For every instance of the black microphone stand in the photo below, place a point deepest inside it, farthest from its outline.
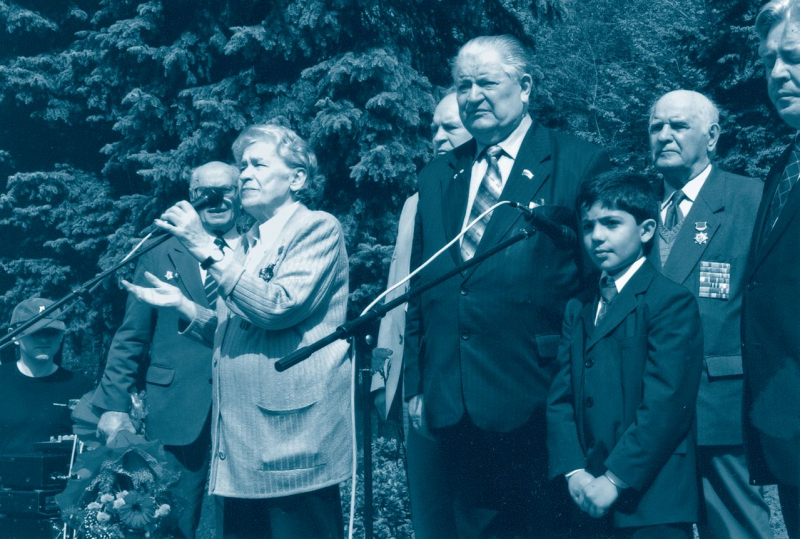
(355, 326)
(210, 199)
(85, 288)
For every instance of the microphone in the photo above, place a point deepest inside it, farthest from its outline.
(209, 197)
(560, 234)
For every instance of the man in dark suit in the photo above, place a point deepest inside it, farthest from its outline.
(703, 236)
(771, 305)
(480, 348)
(148, 353)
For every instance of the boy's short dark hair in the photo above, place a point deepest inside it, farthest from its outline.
(630, 192)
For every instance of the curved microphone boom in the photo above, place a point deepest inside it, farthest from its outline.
(560, 234)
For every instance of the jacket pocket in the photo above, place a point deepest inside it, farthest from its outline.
(291, 437)
(547, 345)
(160, 376)
(720, 366)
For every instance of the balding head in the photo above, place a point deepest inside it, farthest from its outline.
(448, 131)
(219, 177)
(684, 130)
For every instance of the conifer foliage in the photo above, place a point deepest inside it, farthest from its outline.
(106, 105)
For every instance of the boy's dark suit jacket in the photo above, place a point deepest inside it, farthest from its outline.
(726, 206)
(624, 397)
(147, 348)
(771, 341)
(484, 343)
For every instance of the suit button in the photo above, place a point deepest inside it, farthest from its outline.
(210, 380)
(589, 364)
(463, 291)
(589, 402)
(465, 335)
(221, 455)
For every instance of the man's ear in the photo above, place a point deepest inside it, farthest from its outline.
(526, 83)
(648, 229)
(713, 137)
(298, 180)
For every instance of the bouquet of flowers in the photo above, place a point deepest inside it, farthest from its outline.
(120, 490)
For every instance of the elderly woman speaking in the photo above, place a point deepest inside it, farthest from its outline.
(280, 441)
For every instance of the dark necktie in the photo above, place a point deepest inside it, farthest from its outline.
(210, 285)
(787, 181)
(674, 214)
(608, 291)
(488, 195)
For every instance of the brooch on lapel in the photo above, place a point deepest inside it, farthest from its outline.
(171, 276)
(701, 237)
(457, 173)
(528, 174)
(267, 273)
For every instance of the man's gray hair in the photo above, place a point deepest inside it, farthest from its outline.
(773, 13)
(218, 166)
(706, 108)
(517, 59)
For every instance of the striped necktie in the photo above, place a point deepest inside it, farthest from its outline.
(488, 195)
(608, 291)
(210, 285)
(789, 177)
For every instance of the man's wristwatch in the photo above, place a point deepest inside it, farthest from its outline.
(212, 259)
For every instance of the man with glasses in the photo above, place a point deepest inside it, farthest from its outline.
(148, 353)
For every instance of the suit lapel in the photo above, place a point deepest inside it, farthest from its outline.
(786, 215)
(757, 248)
(455, 192)
(189, 270)
(534, 159)
(687, 249)
(623, 304)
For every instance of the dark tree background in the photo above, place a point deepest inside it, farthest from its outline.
(105, 106)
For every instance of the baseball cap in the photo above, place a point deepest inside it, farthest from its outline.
(29, 308)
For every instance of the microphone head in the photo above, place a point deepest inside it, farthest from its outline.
(208, 199)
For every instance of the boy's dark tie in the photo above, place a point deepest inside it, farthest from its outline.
(210, 285)
(488, 195)
(608, 291)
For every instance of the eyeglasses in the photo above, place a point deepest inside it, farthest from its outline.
(226, 192)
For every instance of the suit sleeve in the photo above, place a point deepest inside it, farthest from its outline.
(302, 282)
(412, 354)
(669, 392)
(128, 356)
(564, 450)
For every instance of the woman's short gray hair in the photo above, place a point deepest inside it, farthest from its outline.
(290, 147)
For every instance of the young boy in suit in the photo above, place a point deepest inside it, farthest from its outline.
(621, 407)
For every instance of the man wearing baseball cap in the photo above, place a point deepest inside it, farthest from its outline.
(36, 392)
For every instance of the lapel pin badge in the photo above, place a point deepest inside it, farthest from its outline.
(701, 237)
(170, 275)
(528, 174)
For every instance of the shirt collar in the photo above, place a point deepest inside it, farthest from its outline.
(691, 189)
(512, 142)
(274, 223)
(623, 279)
